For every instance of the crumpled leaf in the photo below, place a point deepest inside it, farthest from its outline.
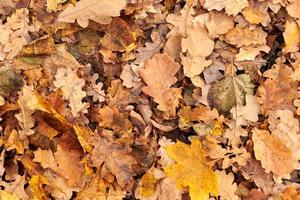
(245, 36)
(232, 7)
(226, 186)
(274, 155)
(116, 158)
(112, 118)
(71, 85)
(230, 91)
(283, 124)
(54, 5)
(257, 13)
(96, 10)
(10, 82)
(46, 158)
(6, 196)
(159, 75)
(191, 170)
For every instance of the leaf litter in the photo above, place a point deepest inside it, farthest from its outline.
(149, 99)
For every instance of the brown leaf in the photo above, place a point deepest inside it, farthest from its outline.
(111, 117)
(159, 75)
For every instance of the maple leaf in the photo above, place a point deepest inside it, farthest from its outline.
(159, 75)
(230, 91)
(99, 11)
(71, 85)
(191, 170)
(232, 7)
(227, 187)
(274, 155)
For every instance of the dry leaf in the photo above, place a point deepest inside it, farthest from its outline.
(198, 46)
(230, 91)
(239, 36)
(113, 119)
(46, 158)
(95, 10)
(232, 7)
(71, 85)
(15, 34)
(159, 75)
(293, 9)
(291, 37)
(274, 155)
(116, 158)
(191, 170)
(227, 187)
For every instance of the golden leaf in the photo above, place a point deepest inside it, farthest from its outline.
(36, 188)
(192, 170)
(291, 37)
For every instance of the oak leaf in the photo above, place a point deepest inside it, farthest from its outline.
(159, 75)
(191, 170)
(71, 85)
(227, 187)
(111, 117)
(245, 36)
(15, 34)
(274, 155)
(99, 11)
(232, 7)
(291, 36)
(198, 45)
(293, 9)
(116, 158)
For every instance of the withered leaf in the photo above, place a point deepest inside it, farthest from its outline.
(230, 91)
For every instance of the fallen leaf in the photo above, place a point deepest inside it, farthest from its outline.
(159, 75)
(230, 91)
(87, 9)
(226, 186)
(232, 7)
(291, 37)
(71, 85)
(274, 155)
(191, 170)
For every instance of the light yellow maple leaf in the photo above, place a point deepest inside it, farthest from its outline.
(192, 170)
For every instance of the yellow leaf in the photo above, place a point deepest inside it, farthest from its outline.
(192, 170)
(36, 188)
(6, 196)
(148, 184)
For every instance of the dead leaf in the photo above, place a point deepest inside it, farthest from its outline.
(191, 170)
(159, 75)
(87, 9)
